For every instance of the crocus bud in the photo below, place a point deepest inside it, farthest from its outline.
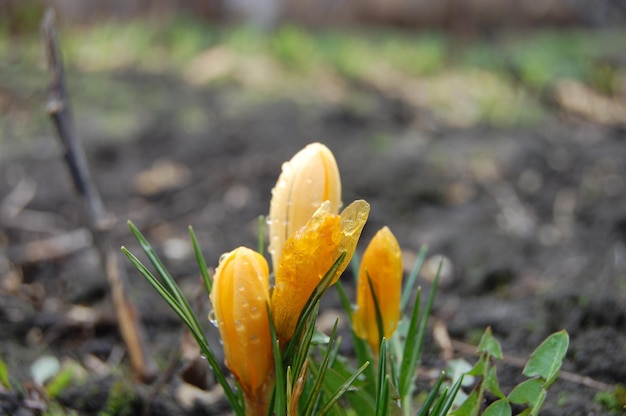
(382, 262)
(306, 257)
(308, 179)
(240, 296)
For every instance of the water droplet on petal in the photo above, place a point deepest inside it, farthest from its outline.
(239, 326)
(212, 318)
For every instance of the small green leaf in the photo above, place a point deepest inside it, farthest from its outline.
(470, 405)
(59, 382)
(547, 359)
(526, 392)
(480, 366)
(491, 383)
(490, 345)
(498, 408)
(4, 375)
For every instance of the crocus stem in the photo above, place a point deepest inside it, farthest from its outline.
(256, 406)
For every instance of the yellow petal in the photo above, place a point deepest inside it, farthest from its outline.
(307, 256)
(308, 179)
(382, 261)
(240, 296)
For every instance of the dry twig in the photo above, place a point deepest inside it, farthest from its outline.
(99, 222)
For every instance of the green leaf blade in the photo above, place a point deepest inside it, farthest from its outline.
(547, 359)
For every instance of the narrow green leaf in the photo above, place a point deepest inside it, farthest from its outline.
(430, 399)
(204, 271)
(161, 290)
(361, 400)
(302, 351)
(451, 396)
(490, 345)
(498, 408)
(415, 340)
(379, 317)
(4, 375)
(194, 328)
(437, 409)
(337, 395)
(167, 280)
(319, 379)
(382, 392)
(409, 359)
(361, 349)
(547, 359)
(280, 388)
(407, 290)
(526, 392)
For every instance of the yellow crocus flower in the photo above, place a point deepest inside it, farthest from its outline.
(306, 257)
(308, 179)
(382, 261)
(240, 296)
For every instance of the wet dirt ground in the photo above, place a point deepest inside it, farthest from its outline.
(531, 221)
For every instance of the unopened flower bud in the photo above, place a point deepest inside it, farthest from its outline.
(308, 179)
(240, 296)
(382, 262)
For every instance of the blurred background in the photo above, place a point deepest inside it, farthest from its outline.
(492, 130)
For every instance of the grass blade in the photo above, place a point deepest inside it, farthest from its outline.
(382, 393)
(407, 290)
(194, 328)
(319, 380)
(204, 271)
(361, 348)
(342, 390)
(280, 388)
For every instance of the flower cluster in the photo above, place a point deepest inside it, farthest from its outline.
(308, 235)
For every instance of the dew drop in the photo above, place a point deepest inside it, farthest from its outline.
(212, 318)
(254, 312)
(241, 288)
(254, 339)
(223, 257)
(239, 326)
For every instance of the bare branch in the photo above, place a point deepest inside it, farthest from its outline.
(99, 222)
